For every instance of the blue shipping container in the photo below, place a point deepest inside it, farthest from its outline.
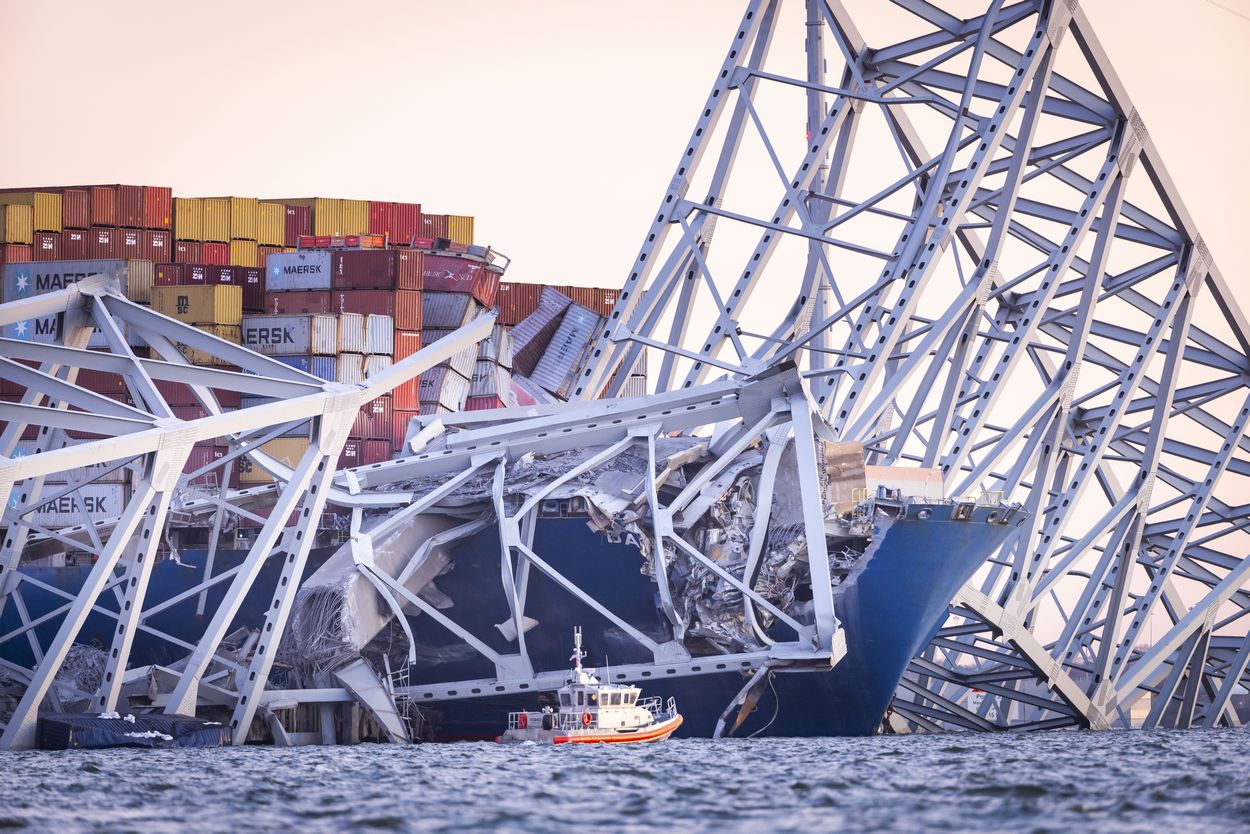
(322, 367)
(24, 280)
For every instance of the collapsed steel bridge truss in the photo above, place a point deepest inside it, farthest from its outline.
(991, 274)
(984, 270)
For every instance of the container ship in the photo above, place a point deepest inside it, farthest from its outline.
(343, 288)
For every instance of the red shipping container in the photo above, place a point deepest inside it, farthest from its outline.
(405, 223)
(174, 393)
(407, 342)
(189, 412)
(102, 382)
(263, 252)
(482, 403)
(74, 245)
(15, 253)
(293, 303)
(216, 253)
(399, 426)
(434, 226)
(352, 454)
(46, 246)
(252, 279)
(306, 242)
(130, 206)
(409, 266)
(188, 252)
(102, 243)
(129, 244)
(202, 456)
(168, 275)
(364, 270)
(375, 451)
(448, 273)
(338, 242)
(373, 422)
(103, 207)
(381, 218)
(158, 207)
(155, 246)
(298, 222)
(75, 209)
(423, 242)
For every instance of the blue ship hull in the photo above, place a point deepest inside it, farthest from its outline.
(887, 612)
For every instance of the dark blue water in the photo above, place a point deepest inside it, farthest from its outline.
(1057, 781)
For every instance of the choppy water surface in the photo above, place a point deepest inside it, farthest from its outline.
(1058, 781)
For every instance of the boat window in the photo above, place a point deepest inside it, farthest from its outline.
(580, 696)
(564, 699)
(616, 699)
(629, 698)
(594, 698)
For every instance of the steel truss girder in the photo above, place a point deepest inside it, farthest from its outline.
(1069, 362)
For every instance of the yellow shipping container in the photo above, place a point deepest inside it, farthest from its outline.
(244, 217)
(212, 304)
(188, 218)
(216, 219)
(328, 217)
(460, 229)
(244, 253)
(271, 227)
(47, 206)
(19, 224)
(286, 450)
(355, 217)
(139, 276)
(230, 333)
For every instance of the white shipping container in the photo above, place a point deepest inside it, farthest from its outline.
(448, 310)
(352, 333)
(316, 335)
(557, 369)
(375, 365)
(444, 387)
(94, 502)
(635, 386)
(351, 368)
(379, 335)
(490, 380)
(497, 347)
(287, 271)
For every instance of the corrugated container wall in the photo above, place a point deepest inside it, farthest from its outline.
(207, 305)
(90, 503)
(157, 207)
(46, 205)
(379, 335)
(298, 271)
(216, 219)
(19, 223)
(291, 335)
(298, 222)
(243, 253)
(322, 367)
(188, 218)
(130, 206)
(352, 333)
(286, 450)
(460, 228)
(271, 224)
(103, 205)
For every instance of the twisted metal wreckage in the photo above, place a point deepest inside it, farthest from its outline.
(1022, 303)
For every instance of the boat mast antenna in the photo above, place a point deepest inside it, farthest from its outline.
(578, 654)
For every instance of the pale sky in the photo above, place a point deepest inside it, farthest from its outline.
(557, 123)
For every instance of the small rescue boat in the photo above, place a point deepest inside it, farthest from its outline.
(593, 712)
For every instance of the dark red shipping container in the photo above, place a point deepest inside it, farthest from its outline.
(373, 422)
(129, 244)
(294, 303)
(399, 426)
(102, 382)
(409, 269)
(103, 207)
(130, 206)
(75, 209)
(188, 252)
(482, 403)
(158, 207)
(202, 456)
(404, 306)
(168, 275)
(14, 253)
(102, 243)
(74, 245)
(252, 279)
(371, 269)
(375, 451)
(175, 393)
(352, 454)
(447, 273)
(156, 246)
(189, 412)
(381, 218)
(434, 226)
(216, 253)
(298, 222)
(46, 246)
(405, 223)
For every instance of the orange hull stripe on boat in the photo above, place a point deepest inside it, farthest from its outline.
(664, 729)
